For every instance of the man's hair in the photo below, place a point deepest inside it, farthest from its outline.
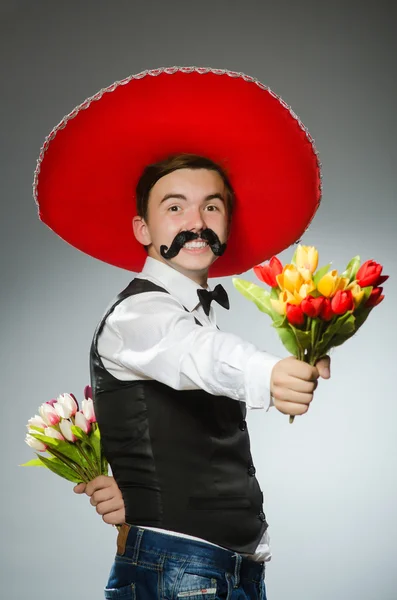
(152, 173)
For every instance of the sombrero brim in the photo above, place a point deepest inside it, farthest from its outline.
(89, 165)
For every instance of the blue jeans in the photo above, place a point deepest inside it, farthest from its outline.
(150, 565)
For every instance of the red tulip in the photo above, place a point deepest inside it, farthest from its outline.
(342, 302)
(295, 314)
(326, 312)
(269, 271)
(375, 297)
(312, 306)
(370, 274)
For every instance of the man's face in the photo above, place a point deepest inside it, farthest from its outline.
(187, 200)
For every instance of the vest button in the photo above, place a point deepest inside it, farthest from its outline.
(251, 470)
(261, 516)
(243, 425)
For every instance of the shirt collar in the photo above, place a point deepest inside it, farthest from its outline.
(180, 286)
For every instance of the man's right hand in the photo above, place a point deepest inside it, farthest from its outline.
(293, 382)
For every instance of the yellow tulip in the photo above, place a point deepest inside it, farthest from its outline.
(357, 292)
(306, 258)
(331, 283)
(284, 298)
(306, 288)
(278, 306)
(290, 279)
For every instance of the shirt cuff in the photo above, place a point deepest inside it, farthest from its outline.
(257, 380)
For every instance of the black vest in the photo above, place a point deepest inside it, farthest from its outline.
(181, 459)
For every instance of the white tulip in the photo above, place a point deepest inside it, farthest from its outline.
(36, 421)
(66, 428)
(48, 414)
(88, 410)
(35, 444)
(53, 433)
(65, 406)
(81, 421)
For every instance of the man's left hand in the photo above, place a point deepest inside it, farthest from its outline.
(105, 495)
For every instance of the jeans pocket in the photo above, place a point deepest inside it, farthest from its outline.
(127, 592)
(195, 587)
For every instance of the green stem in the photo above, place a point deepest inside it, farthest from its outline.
(67, 461)
(92, 468)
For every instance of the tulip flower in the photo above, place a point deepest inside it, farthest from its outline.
(357, 292)
(326, 312)
(342, 302)
(36, 421)
(66, 406)
(66, 428)
(269, 271)
(82, 422)
(280, 304)
(290, 279)
(370, 274)
(88, 410)
(312, 306)
(375, 297)
(53, 433)
(305, 289)
(306, 258)
(87, 392)
(330, 283)
(49, 414)
(295, 314)
(35, 444)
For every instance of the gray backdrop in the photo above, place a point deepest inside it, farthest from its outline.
(330, 478)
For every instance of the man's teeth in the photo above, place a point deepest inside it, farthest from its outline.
(195, 245)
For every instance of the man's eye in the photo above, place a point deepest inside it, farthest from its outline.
(172, 207)
(212, 206)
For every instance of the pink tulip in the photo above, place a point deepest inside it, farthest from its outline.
(88, 410)
(66, 427)
(49, 414)
(53, 433)
(66, 406)
(87, 392)
(82, 422)
(35, 444)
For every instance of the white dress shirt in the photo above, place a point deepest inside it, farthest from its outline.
(151, 336)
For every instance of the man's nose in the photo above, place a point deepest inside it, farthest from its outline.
(195, 221)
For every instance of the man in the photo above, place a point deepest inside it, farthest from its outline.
(171, 390)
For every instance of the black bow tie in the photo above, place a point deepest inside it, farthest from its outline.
(219, 294)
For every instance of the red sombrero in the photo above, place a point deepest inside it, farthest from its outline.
(89, 165)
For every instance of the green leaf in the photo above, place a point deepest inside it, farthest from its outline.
(320, 273)
(95, 440)
(254, 293)
(66, 448)
(35, 462)
(352, 268)
(362, 315)
(336, 333)
(34, 428)
(303, 338)
(59, 468)
(367, 293)
(288, 339)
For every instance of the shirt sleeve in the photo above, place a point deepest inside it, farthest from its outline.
(158, 339)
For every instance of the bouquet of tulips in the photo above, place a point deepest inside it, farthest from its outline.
(314, 311)
(70, 436)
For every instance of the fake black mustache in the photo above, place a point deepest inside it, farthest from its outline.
(187, 236)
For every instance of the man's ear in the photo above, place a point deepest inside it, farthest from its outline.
(141, 231)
